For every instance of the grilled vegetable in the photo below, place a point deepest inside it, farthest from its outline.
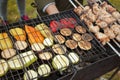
(34, 36)
(8, 53)
(74, 57)
(37, 46)
(48, 42)
(44, 70)
(66, 32)
(44, 30)
(3, 67)
(18, 34)
(80, 29)
(30, 75)
(45, 55)
(22, 60)
(59, 49)
(60, 38)
(5, 41)
(87, 37)
(54, 25)
(20, 45)
(71, 44)
(76, 37)
(60, 62)
(85, 45)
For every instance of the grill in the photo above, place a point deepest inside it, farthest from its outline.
(91, 58)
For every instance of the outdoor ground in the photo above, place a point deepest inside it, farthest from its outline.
(13, 16)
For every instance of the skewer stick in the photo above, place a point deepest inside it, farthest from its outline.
(79, 4)
(116, 43)
(114, 49)
(72, 3)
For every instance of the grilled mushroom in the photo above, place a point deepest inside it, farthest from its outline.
(76, 37)
(71, 44)
(66, 32)
(45, 55)
(85, 45)
(8, 53)
(87, 37)
(80, 29)
(60, 39)
(59, 49)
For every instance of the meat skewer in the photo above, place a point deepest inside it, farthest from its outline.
(106, 36)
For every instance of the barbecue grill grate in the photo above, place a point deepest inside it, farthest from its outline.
(97, 52)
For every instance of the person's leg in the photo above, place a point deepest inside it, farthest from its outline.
(21, 7)
(3, 9)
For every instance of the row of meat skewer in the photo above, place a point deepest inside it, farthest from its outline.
(102, 19)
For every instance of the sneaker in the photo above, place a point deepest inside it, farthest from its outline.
(24, 17)
(5, 22)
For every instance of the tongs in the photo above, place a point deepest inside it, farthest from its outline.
(90, 3)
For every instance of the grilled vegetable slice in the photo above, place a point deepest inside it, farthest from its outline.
(30, 74)
(71, 44)
(80, 29)
(44, 30)
(54, 25)
(73, 57)
(20, 45)
(5, 41)
(48, 42)
(8, 53)
(60, 62)
(44, 70)
(76, 37)
(3, 67)
(18, 34)
(59, 49)
(65, 31)
(34, 36)
(37, 46)
(87, 37)
(60, 38)
(45, 55)
(22, 60)
(85, 45)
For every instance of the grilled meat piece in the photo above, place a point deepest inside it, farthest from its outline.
(116, 29)
(60, 39)
(118, 37)
(119, 21)
(101, 24)
(94, 29)
(78, 10)
(116, 15)
(96, 9)
(102, 37)
(109, 32)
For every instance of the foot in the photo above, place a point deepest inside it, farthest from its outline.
(24, 17)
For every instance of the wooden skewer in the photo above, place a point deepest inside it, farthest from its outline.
(111, 46)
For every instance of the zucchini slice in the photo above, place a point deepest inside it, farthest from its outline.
(44, 70)
(23, 60)
(60, 62)
(20, 45)
(74, 57)
(30, 74)
(3, 67)
(45, 55)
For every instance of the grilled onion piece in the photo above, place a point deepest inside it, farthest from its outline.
(8, 53)
(60, 62)
(85, 45)
(20, 45)
(71, 44)
(60, 39)
(44, 70)
(37, 46)
(74, 57)
(45, 55)
(3, 67)
(59, 49)
(30, 74)
(76, 37)
(48, 42)
(80, 29)
(87, 37)
(66, 32)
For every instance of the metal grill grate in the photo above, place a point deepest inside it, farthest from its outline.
(96, 53)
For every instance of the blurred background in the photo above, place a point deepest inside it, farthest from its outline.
(13, 16)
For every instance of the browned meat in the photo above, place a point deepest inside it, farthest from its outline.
(118, 37)
(109, 32)
(101, 24)
(102, 37)
(96, 9)
(78, 10)
(116, 15)
(94, 29)
(116, 29)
